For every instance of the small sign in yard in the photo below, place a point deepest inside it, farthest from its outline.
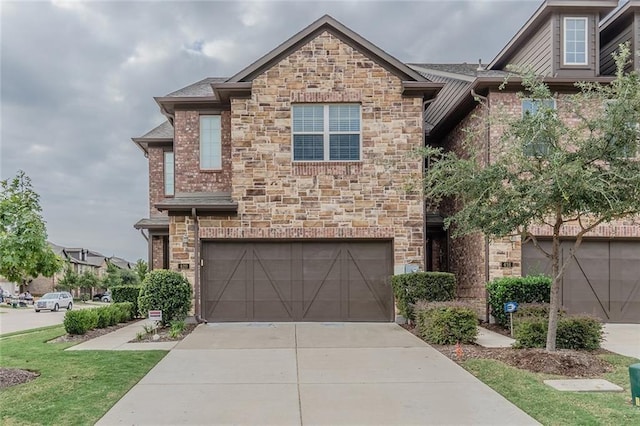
(155, 315)
(510, 308)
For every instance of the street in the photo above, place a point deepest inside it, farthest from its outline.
(19, 319)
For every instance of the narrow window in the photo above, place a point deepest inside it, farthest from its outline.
(168, 173)
(326, 132)
(537, 144)
(210, 142)
(575, 41)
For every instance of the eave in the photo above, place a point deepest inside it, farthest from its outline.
(224, 91)
(482, 85)
(424, 89)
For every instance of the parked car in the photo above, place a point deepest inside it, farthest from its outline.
(55, 301)
(103, 297)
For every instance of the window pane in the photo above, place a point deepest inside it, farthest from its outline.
(308, 148)
(344, 118)
(308, 118)
(210, 142)
(575, 40)
(168, 173)
(344, 147)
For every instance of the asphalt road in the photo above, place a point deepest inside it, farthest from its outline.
(20, 319)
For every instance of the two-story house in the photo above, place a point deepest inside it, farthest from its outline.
(565, 42)
(288, 191)
(282, 191)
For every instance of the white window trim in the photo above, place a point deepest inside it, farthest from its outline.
(326, 139)
(586, 41)
(164, 173)
(200, 142)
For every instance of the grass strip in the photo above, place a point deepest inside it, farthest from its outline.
(74, 387)
(551, 407)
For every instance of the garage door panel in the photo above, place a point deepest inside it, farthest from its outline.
(625, 277)
(603, 280)
(300, 281)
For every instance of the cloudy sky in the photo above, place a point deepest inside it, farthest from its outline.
(78, 79)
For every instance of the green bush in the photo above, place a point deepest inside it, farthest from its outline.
(127, 293)
(125, 311)
(426, 286)
(80, 321)
(75, 323)
(446, 323)
(579, 332)
(104, 316)
(533, 288)
(168, 291)
(574, 332)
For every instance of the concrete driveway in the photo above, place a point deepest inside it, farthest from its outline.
(21, 319)
(309, 373)
(623, 339)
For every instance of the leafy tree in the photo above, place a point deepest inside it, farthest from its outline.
(88, 280)
(24, 252)
(550, 171)
(116, 277)
(69, 280)
(141, 268)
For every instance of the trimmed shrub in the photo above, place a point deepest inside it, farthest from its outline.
(80, 321)
(579, 332)
(533, 288)
(75, 323)
(127, 293)
(426, 286)
(446, 323)
(125, 311)
(168, 291)
(104, 317)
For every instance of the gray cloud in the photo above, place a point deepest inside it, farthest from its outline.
(77, 82)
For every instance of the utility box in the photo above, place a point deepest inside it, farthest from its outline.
(634, 377)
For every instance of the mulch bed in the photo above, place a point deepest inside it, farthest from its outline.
(15, 376)
(163, 335)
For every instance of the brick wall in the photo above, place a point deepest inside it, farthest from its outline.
(156, 179)
(188, 176)
(157, 254)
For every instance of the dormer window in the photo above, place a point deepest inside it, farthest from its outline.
(575, 41)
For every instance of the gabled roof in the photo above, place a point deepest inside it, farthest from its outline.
(162, 134)
(198, 89)
(540, 16)
(327, 23)
(622, 13)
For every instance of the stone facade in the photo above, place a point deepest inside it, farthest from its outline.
(467, 254)
(278, 198)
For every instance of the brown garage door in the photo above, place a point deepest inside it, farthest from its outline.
(297, 281)
(603, 280)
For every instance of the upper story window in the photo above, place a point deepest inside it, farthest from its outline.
(169, 185)
(538, 144)
(575, 41)
(210, 142)
(326, 132)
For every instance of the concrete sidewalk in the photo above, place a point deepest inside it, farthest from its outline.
(309, 373)
(623, 339)
(119, 341)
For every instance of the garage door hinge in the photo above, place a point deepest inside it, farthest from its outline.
(201, 262)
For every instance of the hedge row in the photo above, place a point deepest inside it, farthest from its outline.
(127, 293)
(446, 323)
(81, 321)
(530, 289)
(422, 286)
(574, 331)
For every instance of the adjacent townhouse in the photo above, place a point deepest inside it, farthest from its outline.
(289, 191)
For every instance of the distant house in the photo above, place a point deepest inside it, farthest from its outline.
(81, 260)
(287, 191)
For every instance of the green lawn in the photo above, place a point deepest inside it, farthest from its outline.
(74, 387)
(551, 407)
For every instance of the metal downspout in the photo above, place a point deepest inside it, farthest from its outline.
(196, 255)
(487, 159)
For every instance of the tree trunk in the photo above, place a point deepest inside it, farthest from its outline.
(554, 304)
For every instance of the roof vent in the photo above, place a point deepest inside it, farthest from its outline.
(480, 67)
